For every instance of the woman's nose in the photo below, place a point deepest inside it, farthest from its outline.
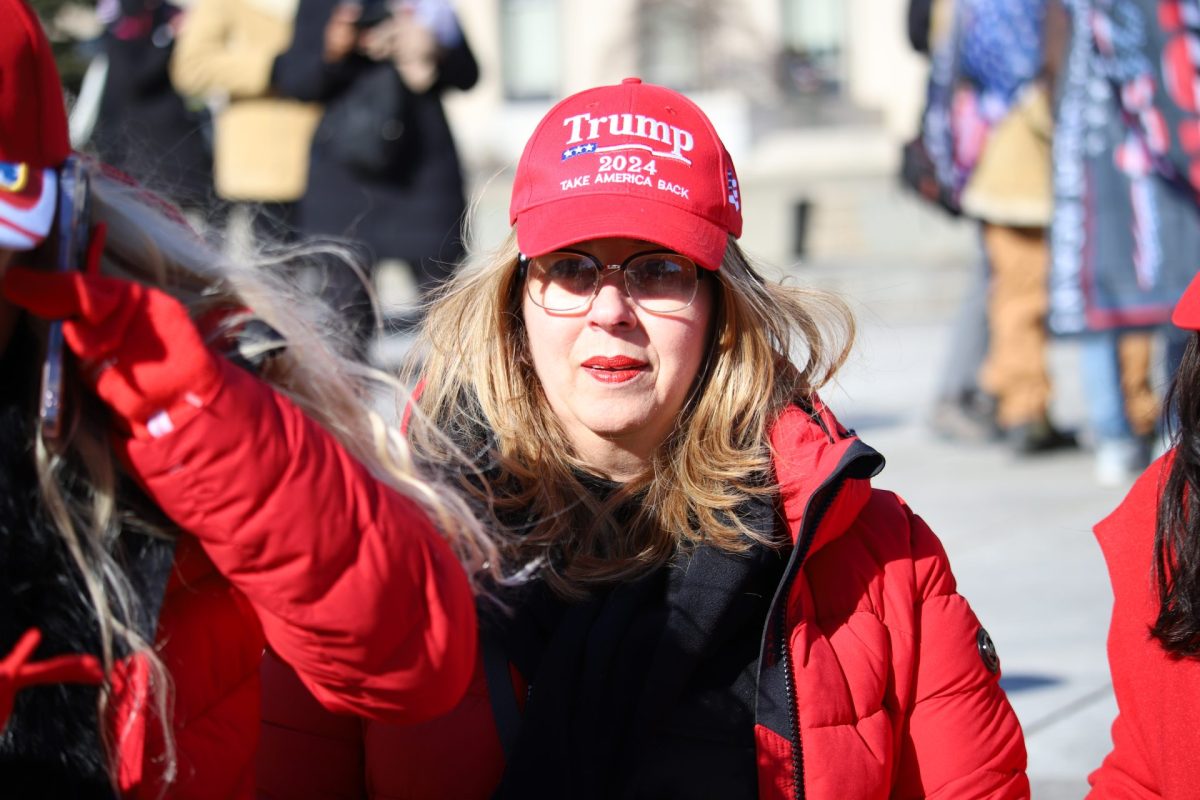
(612, 305)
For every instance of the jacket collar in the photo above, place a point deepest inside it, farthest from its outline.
(810, 448)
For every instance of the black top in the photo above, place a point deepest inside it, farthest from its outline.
(646, 689)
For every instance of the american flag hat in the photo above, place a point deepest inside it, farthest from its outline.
(634, 161)
(33, 128)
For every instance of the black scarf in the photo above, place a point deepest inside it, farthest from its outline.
(647, 688)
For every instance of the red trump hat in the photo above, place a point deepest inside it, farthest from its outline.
(634, 160)
(33, 128)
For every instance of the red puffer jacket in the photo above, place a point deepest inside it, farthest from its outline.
(884, 685)
(1155, 735)
(294, 541)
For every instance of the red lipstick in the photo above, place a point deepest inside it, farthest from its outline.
(613, 369)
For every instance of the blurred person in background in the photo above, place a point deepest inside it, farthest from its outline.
(405, 202)
(1126, 229)
(988, 130)
(143, 127)
(1151, 544)
(705, 595)
(217, 482)
(225, 53)
(963, 411)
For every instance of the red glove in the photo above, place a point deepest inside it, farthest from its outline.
(17, 672)
(138, 346)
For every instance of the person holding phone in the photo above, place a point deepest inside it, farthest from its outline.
(407, 207)
(220, 483)
(705, 595)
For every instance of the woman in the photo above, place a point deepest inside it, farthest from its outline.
(1152, 546)
(706, 598)
(129, 649)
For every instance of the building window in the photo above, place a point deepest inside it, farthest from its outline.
(530, 42)
(670, 34)
(813, 37)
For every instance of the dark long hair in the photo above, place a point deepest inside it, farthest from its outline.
(1177, 532)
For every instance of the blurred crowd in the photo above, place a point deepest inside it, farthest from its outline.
(1067, 129)
(306, 118)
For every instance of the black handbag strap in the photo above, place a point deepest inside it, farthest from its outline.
(500, 691)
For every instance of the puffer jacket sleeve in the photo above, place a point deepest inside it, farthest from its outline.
(354, 586)
(962, 739)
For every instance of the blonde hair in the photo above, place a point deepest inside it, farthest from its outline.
(150, 243)
(482, 396)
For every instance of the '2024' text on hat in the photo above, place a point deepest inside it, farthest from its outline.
(634, 161)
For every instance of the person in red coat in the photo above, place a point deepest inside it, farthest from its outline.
(704, 595)
(1152, 546)
(191, 505)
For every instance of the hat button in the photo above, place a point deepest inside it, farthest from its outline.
(632, 80)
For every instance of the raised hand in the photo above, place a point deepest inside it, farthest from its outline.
(138, 346)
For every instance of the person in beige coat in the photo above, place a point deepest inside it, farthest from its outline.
(226, 52)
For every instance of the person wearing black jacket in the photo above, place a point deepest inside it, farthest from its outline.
(410, 209)
(144, 128)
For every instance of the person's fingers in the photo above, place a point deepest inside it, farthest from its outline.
(50, 295)
(97, 310)
(65, 295)
(23, 649)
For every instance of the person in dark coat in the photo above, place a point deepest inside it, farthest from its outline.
(412, 209)
(144, 128)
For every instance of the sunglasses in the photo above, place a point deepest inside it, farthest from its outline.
(566, 280)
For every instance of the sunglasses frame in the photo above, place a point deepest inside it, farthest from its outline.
(603, 271)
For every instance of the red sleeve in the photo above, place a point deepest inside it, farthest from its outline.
(963, 739)
(1125, 773)
(354, 586)
(1126, 538)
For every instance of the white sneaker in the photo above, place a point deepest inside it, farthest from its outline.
(1118, 462)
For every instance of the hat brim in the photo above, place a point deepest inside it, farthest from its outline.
(571, 220)
(27, 208)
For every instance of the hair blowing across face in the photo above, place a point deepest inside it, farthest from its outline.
(481, 396)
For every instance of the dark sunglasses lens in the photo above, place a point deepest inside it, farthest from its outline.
(662, 282)
(561, 281)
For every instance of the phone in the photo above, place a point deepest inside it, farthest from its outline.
(72, 226)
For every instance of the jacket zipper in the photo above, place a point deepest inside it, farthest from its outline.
(781, 642)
